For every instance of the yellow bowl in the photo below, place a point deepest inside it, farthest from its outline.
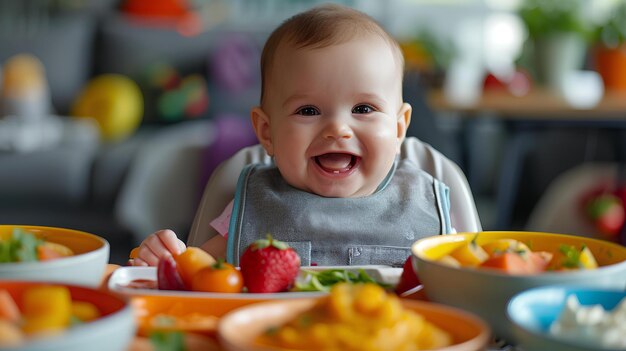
(112, 331)
(85, 267)
(238, 330)
(486, 292)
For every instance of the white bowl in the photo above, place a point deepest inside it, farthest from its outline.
(486, 292)
(85, 267)
(113, 331)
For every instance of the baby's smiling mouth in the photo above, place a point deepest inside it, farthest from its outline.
(336, 163)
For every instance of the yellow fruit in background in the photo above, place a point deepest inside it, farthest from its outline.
(114, 101)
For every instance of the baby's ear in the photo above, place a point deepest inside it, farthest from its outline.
(261, 125)
(403, 121)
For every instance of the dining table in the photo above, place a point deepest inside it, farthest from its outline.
(523, 116)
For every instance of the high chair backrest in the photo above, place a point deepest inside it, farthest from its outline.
(220, 189)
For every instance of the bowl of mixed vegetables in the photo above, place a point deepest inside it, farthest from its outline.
(52, 254)
(480, 272)
(54, 316)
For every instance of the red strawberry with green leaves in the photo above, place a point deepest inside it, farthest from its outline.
(607, 212)
(269, 266)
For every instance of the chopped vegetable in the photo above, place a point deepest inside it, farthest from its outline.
(168, 341)
(323, 280)
(24, 246)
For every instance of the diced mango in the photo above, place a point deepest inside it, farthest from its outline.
(46, 309)
(504, 245)
(85, 311)
(587, 260)
(368, 299)
(449, 261)
(469, 255)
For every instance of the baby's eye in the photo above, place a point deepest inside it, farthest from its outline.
(308, 111)
(363, 109)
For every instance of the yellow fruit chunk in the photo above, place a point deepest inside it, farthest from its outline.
(587, 260)
(504, 245)
(449, 261)
(369, 298)
(469, 255)
(46, 309)
(85, 311)
(191, 261)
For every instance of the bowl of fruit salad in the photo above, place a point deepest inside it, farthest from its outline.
(54, 316)
(52, 254)
(562, 318)
(480, 272)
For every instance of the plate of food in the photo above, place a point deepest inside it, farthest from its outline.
(310, 282)
(269, 269)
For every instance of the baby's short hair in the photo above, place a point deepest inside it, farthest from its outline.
(320, 27)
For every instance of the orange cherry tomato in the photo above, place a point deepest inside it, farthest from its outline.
(219, 277)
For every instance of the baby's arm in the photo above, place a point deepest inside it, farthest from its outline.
(157, 245)
(216, 246)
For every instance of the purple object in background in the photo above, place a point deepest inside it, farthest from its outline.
(234, 65)
(232, 133)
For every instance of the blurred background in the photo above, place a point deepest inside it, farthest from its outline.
(113, 113)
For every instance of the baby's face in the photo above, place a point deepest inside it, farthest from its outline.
(335, 116)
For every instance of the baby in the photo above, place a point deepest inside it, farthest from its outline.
(333, 120)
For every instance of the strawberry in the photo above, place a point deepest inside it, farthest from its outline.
(269, 266)
(607, 212)
(408, 278)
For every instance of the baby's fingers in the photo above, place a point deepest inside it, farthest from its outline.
(171, 242)
(146, 255)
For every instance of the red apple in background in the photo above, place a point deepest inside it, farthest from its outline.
(518, 83)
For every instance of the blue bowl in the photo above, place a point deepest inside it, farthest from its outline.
(533, 311)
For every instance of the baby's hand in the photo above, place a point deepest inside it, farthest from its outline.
(156, 246)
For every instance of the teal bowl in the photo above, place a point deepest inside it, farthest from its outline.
(533, 311)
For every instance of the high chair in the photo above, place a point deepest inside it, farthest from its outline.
(220, 189)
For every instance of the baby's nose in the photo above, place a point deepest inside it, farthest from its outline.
(338, 128)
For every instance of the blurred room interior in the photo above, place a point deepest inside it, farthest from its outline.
(528, 97)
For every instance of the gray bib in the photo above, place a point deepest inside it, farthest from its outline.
(370, 230)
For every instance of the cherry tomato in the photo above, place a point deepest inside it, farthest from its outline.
(218, 277)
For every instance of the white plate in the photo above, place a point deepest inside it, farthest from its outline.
(122, 276)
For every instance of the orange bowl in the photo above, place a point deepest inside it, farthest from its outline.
(112, 331)
(183, 313)
(85, 267)
(238, 330)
